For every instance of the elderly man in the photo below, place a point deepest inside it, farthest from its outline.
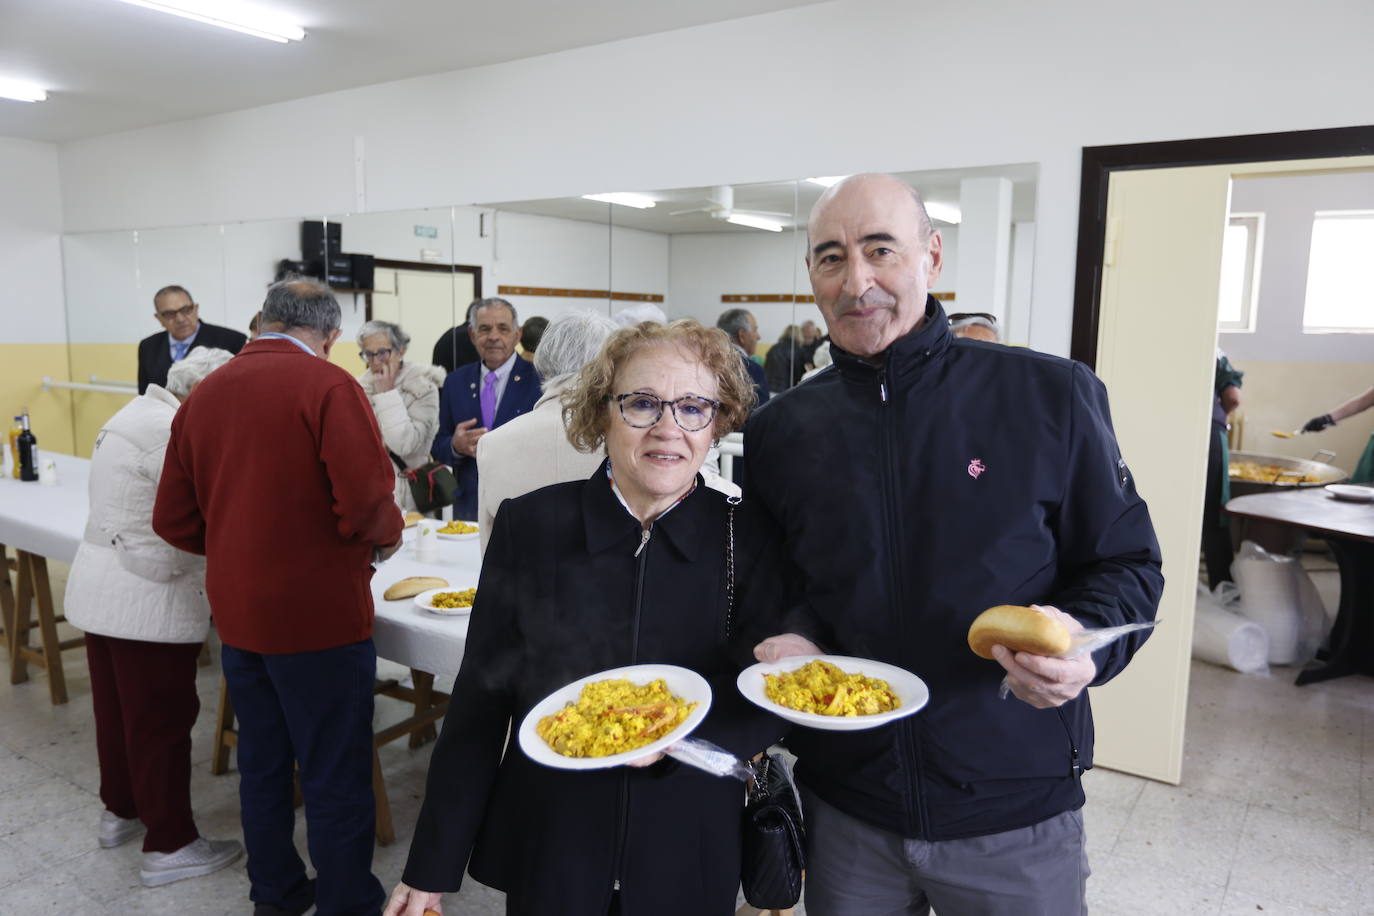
(743, 330)
(533, 450)
(972, 477)
(180, 317)
(482, 395)
(276, 472)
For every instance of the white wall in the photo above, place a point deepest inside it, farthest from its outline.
(780, 98)
(30, 243)
(1288, 204)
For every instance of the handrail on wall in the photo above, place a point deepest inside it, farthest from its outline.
(97, 380)
(50, 383)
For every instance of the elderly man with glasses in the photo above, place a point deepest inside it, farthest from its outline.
(182, 330)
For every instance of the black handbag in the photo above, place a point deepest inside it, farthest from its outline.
(774, 837)
(432, 485)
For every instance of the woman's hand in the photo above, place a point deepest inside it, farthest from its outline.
(776, 648)
(383, 377)
(407, 901)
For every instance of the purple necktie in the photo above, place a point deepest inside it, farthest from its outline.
(489, 400)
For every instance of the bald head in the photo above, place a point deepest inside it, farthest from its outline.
(872, 256)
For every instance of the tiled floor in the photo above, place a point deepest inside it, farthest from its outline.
(1275, 814)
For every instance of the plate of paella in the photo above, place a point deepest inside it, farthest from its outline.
(833, 692)
(613, 717)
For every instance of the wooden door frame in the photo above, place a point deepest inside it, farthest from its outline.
(1099, 162)
(430, 267)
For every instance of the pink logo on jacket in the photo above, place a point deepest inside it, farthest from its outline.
(975, 468)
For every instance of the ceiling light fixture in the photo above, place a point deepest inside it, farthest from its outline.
(624, 199)
(754, 222)
(828, 181)
(945, 213)
(228, 15)
(22, 92)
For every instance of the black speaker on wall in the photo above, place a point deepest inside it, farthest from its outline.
(364, 270)
(320, 239)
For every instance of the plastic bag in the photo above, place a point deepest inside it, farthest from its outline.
(1277, 594)
(1223, 637)
(1090, 640)
(704, 755)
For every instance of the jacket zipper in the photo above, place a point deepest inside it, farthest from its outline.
(641, 554)
(1075, 769)
(912, 753)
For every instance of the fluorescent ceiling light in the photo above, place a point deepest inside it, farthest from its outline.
(945, 213)
(754, 222)
(624, 198)
(21, 92)
(227, 14)
(828, 181)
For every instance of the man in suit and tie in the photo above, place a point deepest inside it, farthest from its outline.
(482, 395)
(180, 317)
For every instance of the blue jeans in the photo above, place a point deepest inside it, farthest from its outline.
(314, 708)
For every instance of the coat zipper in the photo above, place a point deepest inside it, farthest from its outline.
(912, 753)
(642, 555)
(1075, 769)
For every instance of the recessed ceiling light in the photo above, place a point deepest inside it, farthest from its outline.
(228, 14)
(754, 222)
(945, 213)
(828, 181)
(22, 92)
(624, 198)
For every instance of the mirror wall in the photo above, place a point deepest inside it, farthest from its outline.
(696, 252)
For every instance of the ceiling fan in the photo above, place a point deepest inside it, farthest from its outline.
(720, 204)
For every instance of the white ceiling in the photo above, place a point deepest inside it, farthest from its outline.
(789, 197)
(109, 66)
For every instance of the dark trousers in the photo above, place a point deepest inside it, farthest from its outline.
(145, 701)
(314, 708)
(1216, 537)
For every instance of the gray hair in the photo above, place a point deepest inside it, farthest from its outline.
(570, 342)
(488, 303)
(959, 322)
(197, 364)
(733, 321)
(632, 315)
(399, 339)
(302, 303)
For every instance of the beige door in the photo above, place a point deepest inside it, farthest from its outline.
(1156, 350)
(424, 303)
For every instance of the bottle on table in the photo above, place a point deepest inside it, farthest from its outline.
(28, 450)
(15, 430)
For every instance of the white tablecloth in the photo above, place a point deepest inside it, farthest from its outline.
(47, 521)
(50, 521)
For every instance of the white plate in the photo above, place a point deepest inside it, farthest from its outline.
(422, 601)
(682, 682)
(456, 537)
(909, 688)
(1351, 492)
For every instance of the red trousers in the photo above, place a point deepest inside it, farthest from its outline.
(145, 706)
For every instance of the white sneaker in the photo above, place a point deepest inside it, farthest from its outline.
(197, 858)
(116, 830)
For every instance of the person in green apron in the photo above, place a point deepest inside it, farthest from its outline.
(1216, 535)
(1364, 468)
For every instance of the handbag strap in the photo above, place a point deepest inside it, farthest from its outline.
(397, 458)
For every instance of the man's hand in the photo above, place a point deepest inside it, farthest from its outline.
(1044, 681)
(1317, 424)
(775, 648)
(646, 761)
(407, 901)
(386, 553)
(465, 437)
(383, 378)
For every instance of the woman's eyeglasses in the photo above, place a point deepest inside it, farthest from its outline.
(369, 355)
(642, 410)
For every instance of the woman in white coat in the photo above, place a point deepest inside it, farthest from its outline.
(405, 397)
(142, 604)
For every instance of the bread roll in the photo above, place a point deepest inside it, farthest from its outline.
(411, 586)
(1020, 629)
(413, 519)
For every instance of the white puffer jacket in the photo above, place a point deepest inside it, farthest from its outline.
(126, 581)
(409, 418)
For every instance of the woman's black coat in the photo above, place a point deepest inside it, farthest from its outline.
(563, 595)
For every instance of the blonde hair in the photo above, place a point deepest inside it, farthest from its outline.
(587, 404)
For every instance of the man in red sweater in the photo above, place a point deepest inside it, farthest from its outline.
(276, 472)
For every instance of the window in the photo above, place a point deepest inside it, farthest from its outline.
(1240, 260)
(1340, 273)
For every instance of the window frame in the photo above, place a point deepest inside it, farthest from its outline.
(1254, 262)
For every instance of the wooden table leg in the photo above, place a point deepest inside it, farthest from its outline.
(7, 603)
(424, 699)
(47, 627)
(34, 590)
(21, 621)
(386, 830)
(225, 736)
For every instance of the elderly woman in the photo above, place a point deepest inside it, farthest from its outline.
(142, 604)
(405, 397)
(532, 450)
(630, 566)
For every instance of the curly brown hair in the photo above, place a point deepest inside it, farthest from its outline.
(586, 405)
